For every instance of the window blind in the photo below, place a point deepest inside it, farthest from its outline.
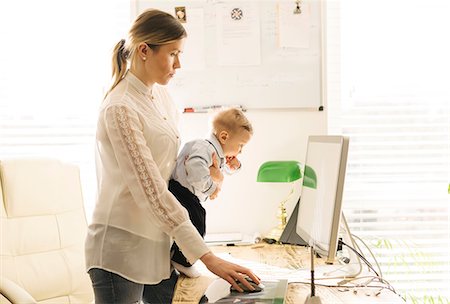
(55, 58)
(385, 91)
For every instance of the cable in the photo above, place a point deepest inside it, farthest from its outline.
(360, 256)
(379, 277)
(355, 245)
(354, 275)
(347, 228)
(355, 285)
(387, 286)
(371, 253)
(372, 278)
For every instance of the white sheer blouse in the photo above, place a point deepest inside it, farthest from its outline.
(135, 215)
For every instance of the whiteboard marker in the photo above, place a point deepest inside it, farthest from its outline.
(209, 108)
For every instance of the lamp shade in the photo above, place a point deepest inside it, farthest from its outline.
(279, 172)
(310, 178)
(286, 172)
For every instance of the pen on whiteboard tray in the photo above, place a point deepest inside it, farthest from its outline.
(209, 108)
(205, 109)
(201, 109)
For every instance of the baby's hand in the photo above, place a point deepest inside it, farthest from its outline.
(233, 163)
(215, 193)
(214, 170)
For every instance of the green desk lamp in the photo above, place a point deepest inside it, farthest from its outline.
(279, 172)
(284, 172)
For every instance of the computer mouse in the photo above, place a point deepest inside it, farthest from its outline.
(258, 287)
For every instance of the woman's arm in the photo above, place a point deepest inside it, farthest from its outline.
(229, 271)
(147, 186)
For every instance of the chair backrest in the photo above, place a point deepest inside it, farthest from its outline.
(43, 227)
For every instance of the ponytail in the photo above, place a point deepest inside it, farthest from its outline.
(119, 64)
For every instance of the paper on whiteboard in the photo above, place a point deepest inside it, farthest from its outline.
(293, 29)
(193, 57)
(238, 34)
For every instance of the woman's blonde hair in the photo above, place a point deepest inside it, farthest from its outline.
(153, 27)
(231, 120)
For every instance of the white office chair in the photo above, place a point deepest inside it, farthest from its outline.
(43, 227)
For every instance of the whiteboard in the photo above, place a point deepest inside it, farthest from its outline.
(284, 77)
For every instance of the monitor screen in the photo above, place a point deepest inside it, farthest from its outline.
(320, 207)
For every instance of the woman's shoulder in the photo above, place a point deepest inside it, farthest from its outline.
(119, 96)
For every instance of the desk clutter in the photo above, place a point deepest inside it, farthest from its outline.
(276, 264)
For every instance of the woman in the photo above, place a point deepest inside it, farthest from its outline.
(129, 238)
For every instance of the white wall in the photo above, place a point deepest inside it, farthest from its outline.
(243, 204)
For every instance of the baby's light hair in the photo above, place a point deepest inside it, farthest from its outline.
(231, 120)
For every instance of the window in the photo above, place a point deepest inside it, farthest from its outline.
(388, 68)
(55, 59)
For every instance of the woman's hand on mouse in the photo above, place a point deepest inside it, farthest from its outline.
(229, 271)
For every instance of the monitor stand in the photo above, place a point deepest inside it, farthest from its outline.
(289, 235)
(312, 298)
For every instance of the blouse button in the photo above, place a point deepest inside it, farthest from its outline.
(165, 118)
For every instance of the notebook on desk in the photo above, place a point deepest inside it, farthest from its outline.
(274, 292)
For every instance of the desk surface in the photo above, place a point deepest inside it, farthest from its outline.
(189, 290)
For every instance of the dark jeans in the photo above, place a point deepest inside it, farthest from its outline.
(110, 288)
(197, 214)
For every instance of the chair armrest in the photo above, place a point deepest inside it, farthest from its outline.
(14, 293)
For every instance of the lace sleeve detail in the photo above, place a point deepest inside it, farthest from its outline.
(140, 171)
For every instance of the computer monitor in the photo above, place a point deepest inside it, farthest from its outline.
(320, 208)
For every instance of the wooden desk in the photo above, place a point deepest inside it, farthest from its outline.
(190, 290)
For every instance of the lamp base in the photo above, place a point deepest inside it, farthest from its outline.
(275, 233)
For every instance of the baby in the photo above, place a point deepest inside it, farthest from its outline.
(192, 182)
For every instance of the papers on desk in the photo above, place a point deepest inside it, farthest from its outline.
(223, 238)
(264, 271)
(230, 239)
(273, 273)
(217, 290)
